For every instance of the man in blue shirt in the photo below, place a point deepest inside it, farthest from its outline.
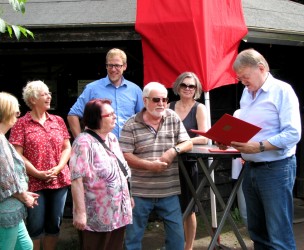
(126, 96)
(270, 162)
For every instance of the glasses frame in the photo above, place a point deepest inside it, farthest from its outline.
(158, 99)
(187, 86)
(46, 93)
(112, 114)
(116, 66)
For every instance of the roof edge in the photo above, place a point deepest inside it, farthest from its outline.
(274, 36)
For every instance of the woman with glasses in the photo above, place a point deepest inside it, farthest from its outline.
(13, 182)
(101, 199)
(43, 141)
(194, 116)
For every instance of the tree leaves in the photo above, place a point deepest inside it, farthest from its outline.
(18, 6)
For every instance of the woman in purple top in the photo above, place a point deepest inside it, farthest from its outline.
(102, 203)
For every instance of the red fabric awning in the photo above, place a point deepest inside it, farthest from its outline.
(190, 35)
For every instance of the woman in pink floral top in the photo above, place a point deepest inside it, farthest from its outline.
(43, 141)
(101, 199)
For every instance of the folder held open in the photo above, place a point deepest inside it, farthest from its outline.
(228, 129)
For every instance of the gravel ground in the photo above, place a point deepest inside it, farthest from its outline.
(154, 237)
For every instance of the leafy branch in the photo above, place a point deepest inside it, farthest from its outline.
(18, 6)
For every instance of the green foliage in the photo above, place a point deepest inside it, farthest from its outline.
(18, 6)
(236, 215)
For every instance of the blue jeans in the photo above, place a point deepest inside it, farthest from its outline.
(269, 199)
(15, 238)
(46, 218)
(168, 209)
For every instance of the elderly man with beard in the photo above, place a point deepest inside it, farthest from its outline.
(151, 141)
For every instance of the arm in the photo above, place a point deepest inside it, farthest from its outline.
(74, 124)
(138, 163)
(171, 153)
(79, 211)
(201, 118)
(30, 168)
(65, 156)
(28, 198)
(252, 147)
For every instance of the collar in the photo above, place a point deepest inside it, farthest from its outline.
(28, 116)
(109, 83)
(267, 84)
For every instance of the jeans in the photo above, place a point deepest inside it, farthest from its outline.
(15, 238)
(269, 199)
(46, 218)
(168, 209)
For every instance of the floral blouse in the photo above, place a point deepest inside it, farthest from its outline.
(42, 146)
(107, 198)
(13, 179)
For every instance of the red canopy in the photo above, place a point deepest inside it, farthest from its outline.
(201, 36)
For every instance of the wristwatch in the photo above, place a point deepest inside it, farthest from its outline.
(262, 146)
(177, 149)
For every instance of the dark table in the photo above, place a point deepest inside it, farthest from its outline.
(201, 153)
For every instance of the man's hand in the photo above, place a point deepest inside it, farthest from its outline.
(159, 166)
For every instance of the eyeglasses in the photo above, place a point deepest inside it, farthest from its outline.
(158, 99)
(46, 93)
(116, 66)
(109, 115)
(185, 86)
(17, 114)
(246, 75)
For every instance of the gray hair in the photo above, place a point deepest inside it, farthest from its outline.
(249, 58)
(152, 86)
(180, 79)
(33, 90)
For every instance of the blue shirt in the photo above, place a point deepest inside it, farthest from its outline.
(275, 109)
(126, 99)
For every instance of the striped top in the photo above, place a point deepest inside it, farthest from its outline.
(146, 143)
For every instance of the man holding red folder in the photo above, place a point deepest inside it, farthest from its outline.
(270, 162)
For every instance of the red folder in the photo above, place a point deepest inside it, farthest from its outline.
(228, 129)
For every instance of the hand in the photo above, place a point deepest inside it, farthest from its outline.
(221, 146)
(132, 202)
(55, 170)
(80, 220)
(47, 176)
(159, 166)
(32, 199)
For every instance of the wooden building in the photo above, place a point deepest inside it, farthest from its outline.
(72, 38)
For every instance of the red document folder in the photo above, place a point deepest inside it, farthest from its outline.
(228, 129)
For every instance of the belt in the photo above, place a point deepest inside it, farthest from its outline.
(264, 163)
(257, 164)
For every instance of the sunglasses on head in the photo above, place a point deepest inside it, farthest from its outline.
(185, 86)
(158, 99)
